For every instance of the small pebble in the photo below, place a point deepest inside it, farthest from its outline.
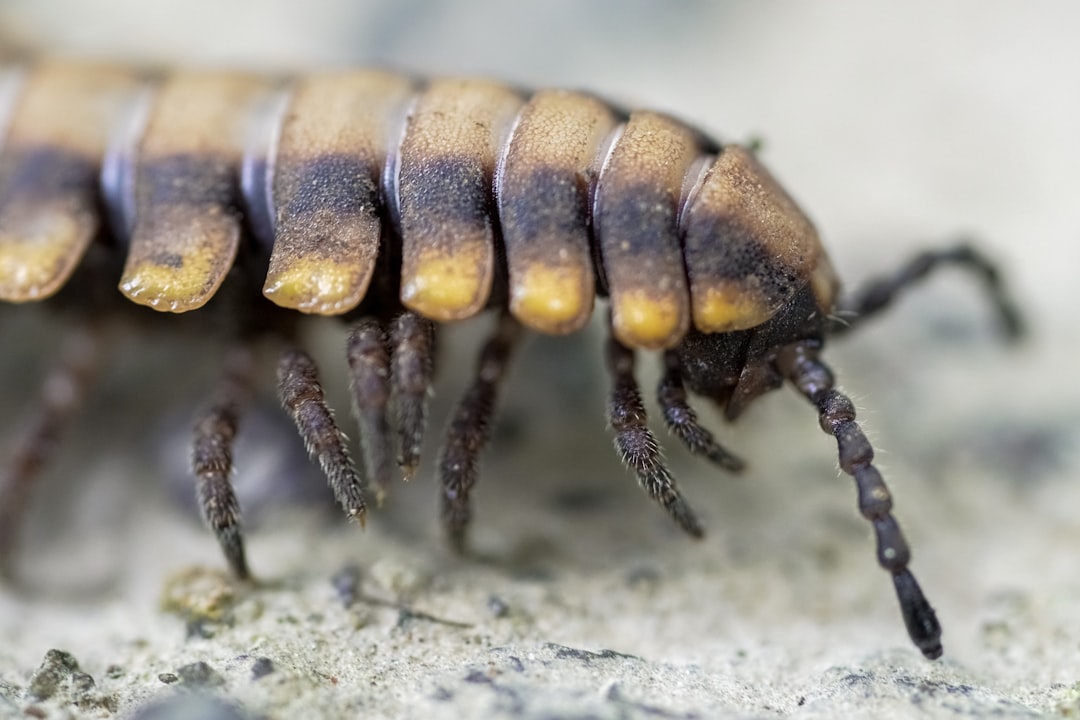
(262, 667)
(57, 667)
(497, 606)
(346, 582)
(199, 674)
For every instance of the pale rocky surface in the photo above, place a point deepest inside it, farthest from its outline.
(895, 127)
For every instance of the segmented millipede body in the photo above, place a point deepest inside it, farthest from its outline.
(400, 204)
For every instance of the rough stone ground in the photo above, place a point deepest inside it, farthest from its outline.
(895, 127)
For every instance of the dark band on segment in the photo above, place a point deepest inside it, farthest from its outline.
(445, 184)
(748, 246)
(187, 195)
(50, 156)
(544, 194)
(331, 152)
(637, 220)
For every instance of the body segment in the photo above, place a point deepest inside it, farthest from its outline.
(545, 190)
(445, 175)
(329, 156)
(187, 162)
(768, 252)
(58, 123)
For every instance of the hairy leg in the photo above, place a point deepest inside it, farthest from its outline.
(470, 429)
(682, 422)
(302, 396)
(212, 460)
(635, 443)
(879, 293)
(369, 370)
(62, 393)
(412, 340)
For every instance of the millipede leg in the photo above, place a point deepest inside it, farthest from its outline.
(62, 394)
(879, 293)
(682, 421)
(212, 461)
(302, 396)
(470, 429)
(800, 364)
(369, 365)
(636, 444)
(413, 343)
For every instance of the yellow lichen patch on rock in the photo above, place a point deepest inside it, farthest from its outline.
(199, 594)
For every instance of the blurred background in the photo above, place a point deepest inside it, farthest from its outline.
(896, 127)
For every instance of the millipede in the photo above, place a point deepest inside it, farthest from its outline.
(244, 203)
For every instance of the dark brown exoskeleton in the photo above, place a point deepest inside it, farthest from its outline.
(397, 205)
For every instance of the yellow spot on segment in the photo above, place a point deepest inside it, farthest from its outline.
(719, 310)
(315, 285)
(179, 256)
(550, 299)
(35, 263)
(172, 289)
(443, 286)
(645, 320)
